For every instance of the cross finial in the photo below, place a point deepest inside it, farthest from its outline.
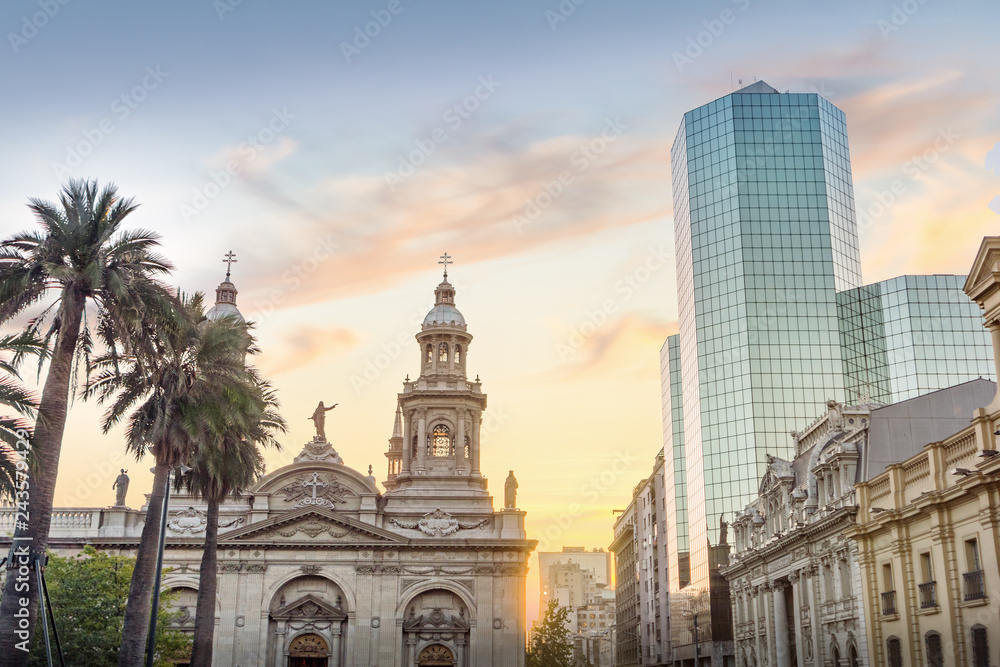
(446, 260)
(228, 259)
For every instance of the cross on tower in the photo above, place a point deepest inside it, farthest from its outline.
(315, 484)
(446, 260)
(228, 259)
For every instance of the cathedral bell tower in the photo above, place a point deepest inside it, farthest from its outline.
(435, 443)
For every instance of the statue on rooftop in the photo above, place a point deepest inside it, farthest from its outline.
(319, 419)
(121, 488)
(510, 492)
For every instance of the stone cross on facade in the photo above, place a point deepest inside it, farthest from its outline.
(315, 483)
(446, 260)
(229, 259)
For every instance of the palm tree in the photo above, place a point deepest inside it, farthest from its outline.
(82, 253)
(166, 393)
(15, 432)
(227, 463)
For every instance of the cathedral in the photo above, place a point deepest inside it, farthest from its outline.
(318, 567)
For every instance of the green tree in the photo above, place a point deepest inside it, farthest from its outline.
(171, 393)
(551, 645)
(82, 254)
(15, 430)
(88, 594)
(227, 462)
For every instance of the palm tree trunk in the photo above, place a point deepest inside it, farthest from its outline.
(140, 592)
(31, 537)
(204, 620)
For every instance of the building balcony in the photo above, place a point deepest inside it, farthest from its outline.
(889, 603)
(928, 595)
(975, 588)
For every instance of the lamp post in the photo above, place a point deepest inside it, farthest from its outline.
(151, 640)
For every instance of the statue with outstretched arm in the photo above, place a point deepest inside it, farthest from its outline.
(319, 419)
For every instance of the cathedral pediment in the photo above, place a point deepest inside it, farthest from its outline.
(310, 525)
(310, 608)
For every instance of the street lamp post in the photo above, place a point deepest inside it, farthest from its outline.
(151, 640)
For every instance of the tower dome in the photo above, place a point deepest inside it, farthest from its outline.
(444, 310)
(225, 295)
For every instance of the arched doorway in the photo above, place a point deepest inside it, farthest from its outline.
(436, 656)
(308, 651)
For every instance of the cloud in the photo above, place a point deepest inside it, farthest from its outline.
(463, 205)
(304, 344)
(626, 346)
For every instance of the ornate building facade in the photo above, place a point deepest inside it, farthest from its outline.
(320, 567)
(796, 578)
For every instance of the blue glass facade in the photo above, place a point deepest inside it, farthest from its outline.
(911, 335)
(765, 235)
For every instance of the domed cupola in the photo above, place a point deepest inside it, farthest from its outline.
(444, 310)
(225, 295)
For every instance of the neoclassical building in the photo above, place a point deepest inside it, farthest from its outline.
(318, 567)
(797, 579)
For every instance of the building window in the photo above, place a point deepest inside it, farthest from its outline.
(458, 354)
(441, 441)
(845, 579)
(895, 650)
(935, 654)
(430, 353)
(975, 588)
(980, 647)
(443, 353)
(836, 657)
(413, 448)
(888, 591)
(854, 657)
(928, 594)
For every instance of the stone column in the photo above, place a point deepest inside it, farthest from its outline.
(250, 632)
(280, 659)
(421, 441)
(474, 444)
(460, 651)
(995, 336)
(796, 583)
(460, 441)
(782, 654)
(756, 593)
(407, 441)
(411, 650)
(335, 646)
(814, 615)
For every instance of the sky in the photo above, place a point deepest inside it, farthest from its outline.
(340, 148)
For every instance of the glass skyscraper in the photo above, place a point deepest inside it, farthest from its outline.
(909, 336)
(774, 320)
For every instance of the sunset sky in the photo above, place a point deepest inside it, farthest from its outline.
(354, 162)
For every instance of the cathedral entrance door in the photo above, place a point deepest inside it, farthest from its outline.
(437, 656)
(308, 651)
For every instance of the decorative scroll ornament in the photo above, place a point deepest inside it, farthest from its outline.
(189, 521)
(318, 451)
(315, 491)
(313, 528)
(439, 524)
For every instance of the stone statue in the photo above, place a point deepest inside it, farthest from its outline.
(121, 487)
(510, 492)
(319, 419)
(723, 530)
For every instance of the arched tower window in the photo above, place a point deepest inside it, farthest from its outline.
(413, 447)
(935, 651)
(458, 354)
(467, 447)
(443, 353)
(430, 353)
(441, 441)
